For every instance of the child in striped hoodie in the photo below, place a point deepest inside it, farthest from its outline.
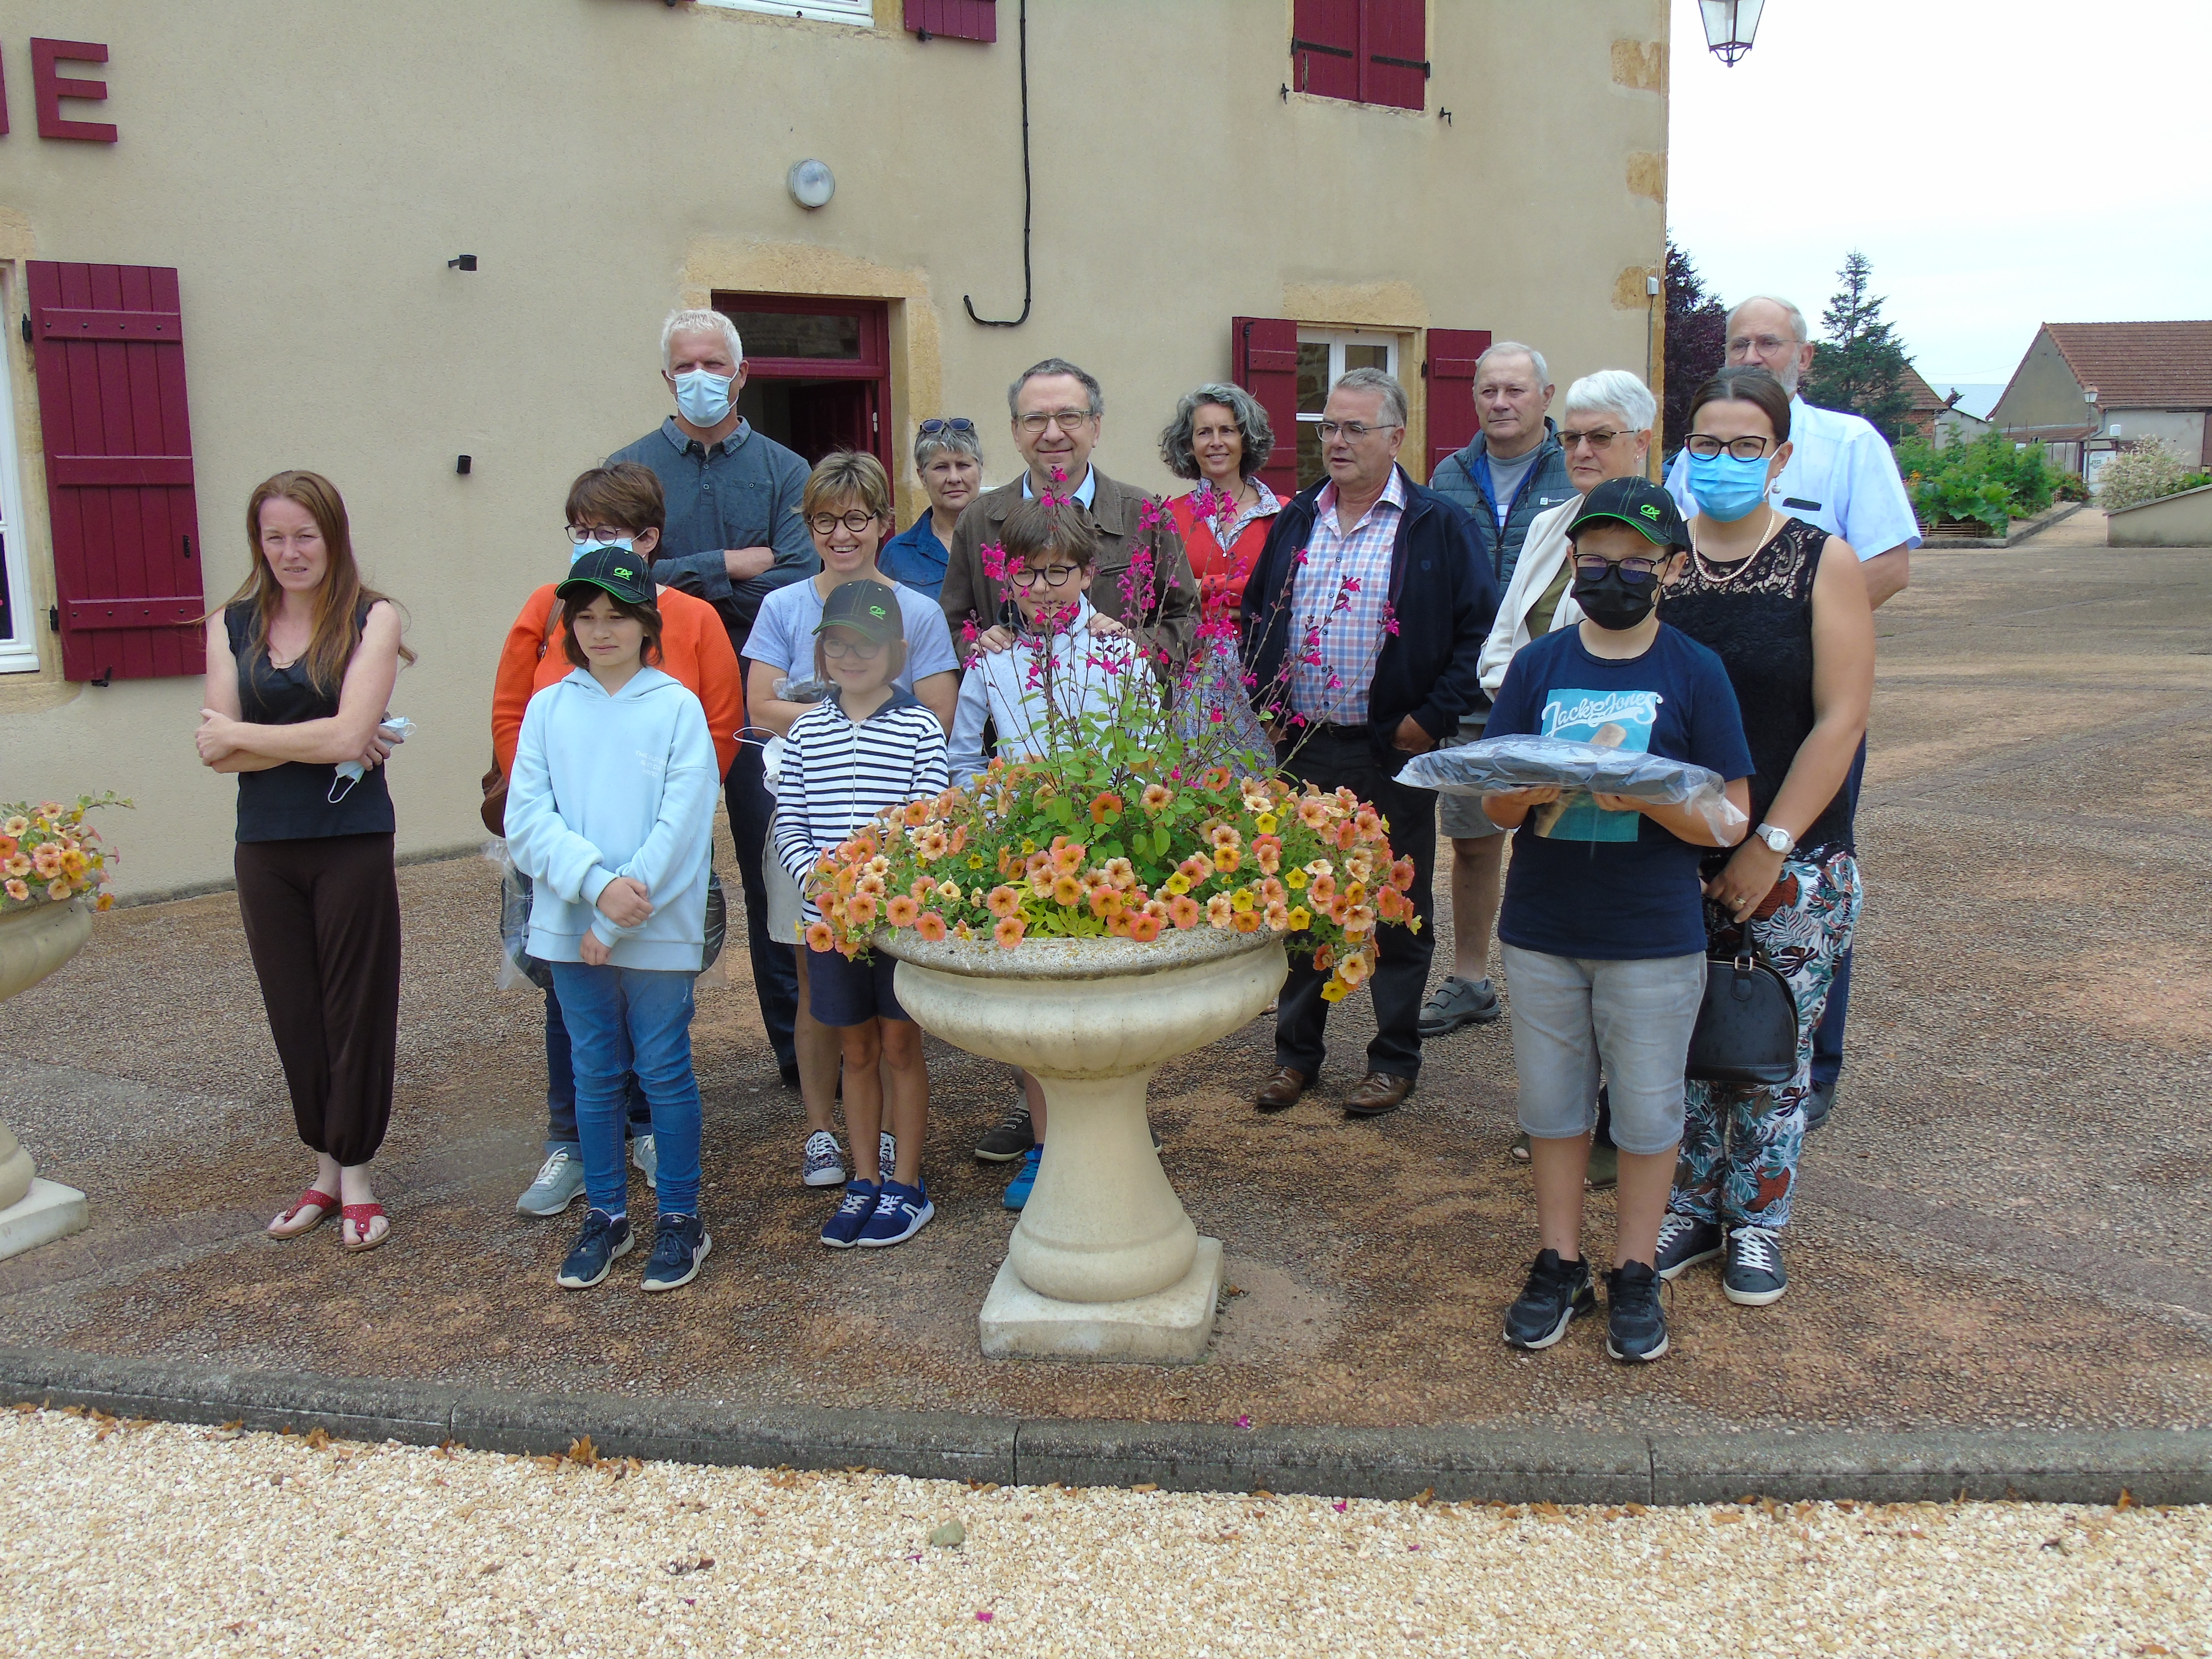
(866, 746)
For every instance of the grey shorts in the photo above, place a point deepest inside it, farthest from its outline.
(1461, 816)
(1573, 1019)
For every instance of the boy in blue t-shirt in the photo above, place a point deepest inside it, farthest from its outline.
(1603, 927)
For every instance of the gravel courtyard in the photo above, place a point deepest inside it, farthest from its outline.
(2005, 1225)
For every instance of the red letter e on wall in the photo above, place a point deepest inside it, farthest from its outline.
(49, 89)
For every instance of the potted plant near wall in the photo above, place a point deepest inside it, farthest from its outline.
(53, 874)
(1128, 890)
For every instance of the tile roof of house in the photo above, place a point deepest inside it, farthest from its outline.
(2140, 365)
(1926, 400)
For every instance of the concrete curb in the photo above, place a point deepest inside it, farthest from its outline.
(1452, 1462)
(2012, 538)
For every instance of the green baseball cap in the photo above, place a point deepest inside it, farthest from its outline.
(866, 607)
(1642, 506)
(627, 576)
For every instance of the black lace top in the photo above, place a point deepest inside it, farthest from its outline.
(293, 802)
(1758, 618)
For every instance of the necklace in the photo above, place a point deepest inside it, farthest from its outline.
(1736, 567)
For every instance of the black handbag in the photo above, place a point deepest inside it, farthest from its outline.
(1747, 1029)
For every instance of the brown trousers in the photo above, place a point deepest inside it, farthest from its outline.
(322, 922)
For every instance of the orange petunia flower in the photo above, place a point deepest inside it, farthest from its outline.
(1106, 807)
(902, 911)
(1246, 921)
(1009, 932)
(1067, 890)
(1219, 914)
(1183, 911)
(1401, 875)
(1157, 797)
(1227, 860)
(819, 938)
(1144, 929)
(930, 926)
(7, 845)
(1003, 901)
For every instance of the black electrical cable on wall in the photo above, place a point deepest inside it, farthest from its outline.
(1022, 25)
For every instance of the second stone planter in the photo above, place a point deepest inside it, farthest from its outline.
(1103, 1263)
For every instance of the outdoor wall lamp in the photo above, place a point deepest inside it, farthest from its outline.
(462, 262)
(1729, 26)
(811, 184)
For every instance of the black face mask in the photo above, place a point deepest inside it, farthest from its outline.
(1616, 600)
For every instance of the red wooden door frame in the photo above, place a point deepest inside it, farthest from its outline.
(873, 364)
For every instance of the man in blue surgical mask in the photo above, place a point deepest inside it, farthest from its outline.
(734, 536)
(1841, 476)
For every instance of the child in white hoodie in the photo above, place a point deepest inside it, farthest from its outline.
(610, 812)
(1056, 671)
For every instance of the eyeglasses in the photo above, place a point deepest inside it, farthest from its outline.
(863, 650)
(824, 524)
(580, 533)
(1591, 565)
(1355, 430)
(1760, 343)
(957, 423)
(1601, 439)
(1067, 420)
(1055, 576)
(1704, 447)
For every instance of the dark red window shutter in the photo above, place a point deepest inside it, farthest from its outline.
(1264, 361)
(1450, 371)
(956, 20)
(1394, 52)
(1325, 48)
(109, 352)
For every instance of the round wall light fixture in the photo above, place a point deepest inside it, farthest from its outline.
(812, 183)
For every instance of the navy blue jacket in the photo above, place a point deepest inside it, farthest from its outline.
(1442, 594)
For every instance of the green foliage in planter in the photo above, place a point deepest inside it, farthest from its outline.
(1988, 480)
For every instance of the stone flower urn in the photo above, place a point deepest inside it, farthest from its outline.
(32, 943)
(1103, 1263)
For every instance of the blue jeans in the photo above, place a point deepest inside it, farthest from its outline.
(561, 1087)
(1828, 1037)
(623, 1021)
(775, 962)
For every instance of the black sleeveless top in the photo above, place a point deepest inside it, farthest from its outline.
(1758, 619)
(292, 802)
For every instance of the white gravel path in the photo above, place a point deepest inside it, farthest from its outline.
(127, 1538)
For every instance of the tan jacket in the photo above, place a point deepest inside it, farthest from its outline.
(1171, 624)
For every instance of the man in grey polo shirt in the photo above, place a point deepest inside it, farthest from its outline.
(1512, 471)
(734, 535)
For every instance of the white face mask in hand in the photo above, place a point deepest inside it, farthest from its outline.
(396, 728)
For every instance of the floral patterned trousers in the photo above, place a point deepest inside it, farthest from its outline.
(1738, 1164)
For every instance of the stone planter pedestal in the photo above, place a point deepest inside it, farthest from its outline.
(1103, 1263)
(32, 943)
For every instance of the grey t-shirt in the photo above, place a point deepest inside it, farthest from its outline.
(1505, 479)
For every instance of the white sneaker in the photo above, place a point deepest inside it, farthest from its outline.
(560, 1183)
(646, 1156)
(824, 1165)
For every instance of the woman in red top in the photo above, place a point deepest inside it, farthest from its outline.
(1221, 437)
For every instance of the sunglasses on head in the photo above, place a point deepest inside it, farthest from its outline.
(930, 428)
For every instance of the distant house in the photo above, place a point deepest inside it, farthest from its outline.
(2087, 389)
(1936, 415)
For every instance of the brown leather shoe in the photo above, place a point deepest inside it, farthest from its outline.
(1280, 1092)
(1378, 1092)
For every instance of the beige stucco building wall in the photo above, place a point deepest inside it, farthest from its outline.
(310, 171)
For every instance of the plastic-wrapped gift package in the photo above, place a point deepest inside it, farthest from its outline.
(1497, 764)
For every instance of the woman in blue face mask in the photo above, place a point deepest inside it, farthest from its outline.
(1784, 606)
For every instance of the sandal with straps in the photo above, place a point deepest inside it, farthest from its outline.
(324, 1203)
(361, 1215)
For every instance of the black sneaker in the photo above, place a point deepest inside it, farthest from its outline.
(679, 1245)
(604, 1238)
(1011, 1138)
(1753, 1276)
(1820, 1101)
(1635, 1323)
(1684, 1241)
(1558, 1293)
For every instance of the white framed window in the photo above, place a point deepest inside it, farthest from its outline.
(862, 12)
(1325, 356)
(19, 617)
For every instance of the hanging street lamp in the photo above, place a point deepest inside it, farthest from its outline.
(1729, 26)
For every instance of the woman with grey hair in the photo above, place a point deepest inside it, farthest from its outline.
(1221, 437)
(948, 458)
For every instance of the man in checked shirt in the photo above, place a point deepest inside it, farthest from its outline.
(1385, 573)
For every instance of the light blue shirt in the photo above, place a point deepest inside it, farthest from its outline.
(1084, 491)
(1841, 475)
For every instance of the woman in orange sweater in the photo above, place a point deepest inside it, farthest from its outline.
(619, 506)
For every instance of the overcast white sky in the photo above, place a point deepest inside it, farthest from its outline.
(2003, 163)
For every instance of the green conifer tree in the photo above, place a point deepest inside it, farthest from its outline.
(1860, 365)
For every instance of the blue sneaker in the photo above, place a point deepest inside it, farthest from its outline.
(900, 1213)
(604, 1238)
(1017, 1189)
(841, 1230)
(679, 1245)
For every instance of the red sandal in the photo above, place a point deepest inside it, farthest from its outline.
(361, 1215)
(324, 1203)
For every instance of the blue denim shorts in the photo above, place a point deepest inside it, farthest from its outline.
(842, 992)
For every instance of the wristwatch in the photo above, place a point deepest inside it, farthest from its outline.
(1780, 840)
